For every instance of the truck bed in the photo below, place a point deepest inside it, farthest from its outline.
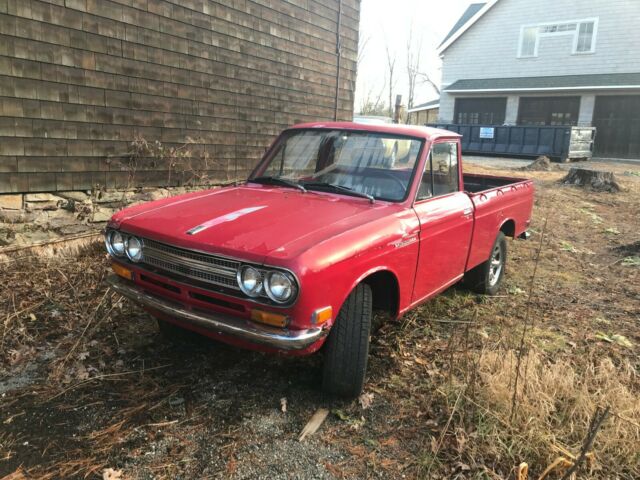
(476, 183)
(500, 203)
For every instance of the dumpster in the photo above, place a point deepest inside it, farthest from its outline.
(560, 143)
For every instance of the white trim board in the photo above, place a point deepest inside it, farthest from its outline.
(546, 89)
(420, 109)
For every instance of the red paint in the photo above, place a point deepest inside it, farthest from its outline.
(332, 241)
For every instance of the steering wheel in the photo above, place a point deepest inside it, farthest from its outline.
(392, 177)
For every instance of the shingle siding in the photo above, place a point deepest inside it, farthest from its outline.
(489, 48)
(79, 79)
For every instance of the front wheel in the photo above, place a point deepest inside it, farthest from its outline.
(347, 348)
(487, 277)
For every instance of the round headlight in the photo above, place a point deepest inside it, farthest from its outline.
(280, 287)
(250, 281)
(115, 243)
(134, 249)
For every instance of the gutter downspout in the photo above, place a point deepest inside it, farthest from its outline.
(339, 54)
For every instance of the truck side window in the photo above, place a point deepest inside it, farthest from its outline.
(440, 172)
(444, 168)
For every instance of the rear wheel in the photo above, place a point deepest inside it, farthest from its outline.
(487, 277)
(347, 348)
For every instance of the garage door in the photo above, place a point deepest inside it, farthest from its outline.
(617, 120)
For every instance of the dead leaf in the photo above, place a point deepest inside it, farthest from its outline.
(283, 404)
(314, 423)
(81, 372)
(111, 474)
(365, 400)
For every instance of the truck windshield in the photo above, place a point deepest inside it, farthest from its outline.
(363, 164)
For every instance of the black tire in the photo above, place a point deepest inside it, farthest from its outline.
(347, 348)
(483, 278)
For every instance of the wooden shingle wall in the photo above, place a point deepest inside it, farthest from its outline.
(80, 79)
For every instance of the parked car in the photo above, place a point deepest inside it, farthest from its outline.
(329, 227)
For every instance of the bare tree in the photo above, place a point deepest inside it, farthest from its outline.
(391, 64)
(414, 52)
(425, 78)
(362, 46)
(372, 102)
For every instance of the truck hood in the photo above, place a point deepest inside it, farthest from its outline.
(250, 221)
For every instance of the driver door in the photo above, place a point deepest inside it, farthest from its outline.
(446, 222)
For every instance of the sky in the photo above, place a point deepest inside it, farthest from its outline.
(388, 22)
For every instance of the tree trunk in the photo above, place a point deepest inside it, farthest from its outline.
(594, 179)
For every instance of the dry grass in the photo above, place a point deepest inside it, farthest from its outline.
(555, 404)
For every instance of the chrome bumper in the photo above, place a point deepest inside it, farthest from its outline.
(215, 322)
(526, 235)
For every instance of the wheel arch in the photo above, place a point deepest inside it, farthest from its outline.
(508, 227)
(385, 289)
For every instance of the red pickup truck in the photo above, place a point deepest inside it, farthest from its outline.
(337, 220)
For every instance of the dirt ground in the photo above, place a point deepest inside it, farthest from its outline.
(465, 387)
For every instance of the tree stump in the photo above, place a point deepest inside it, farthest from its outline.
(594, 179)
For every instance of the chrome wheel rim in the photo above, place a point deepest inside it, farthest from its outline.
(495, 265)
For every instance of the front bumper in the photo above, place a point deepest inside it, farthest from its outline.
(218, 323)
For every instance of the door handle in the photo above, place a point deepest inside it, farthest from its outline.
(467, 212)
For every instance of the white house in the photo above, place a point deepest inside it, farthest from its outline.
(547, 62)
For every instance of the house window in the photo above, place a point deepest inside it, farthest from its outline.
(582, 31)
(584, 40)
(485, 111)
(529, 43)
(548, 111)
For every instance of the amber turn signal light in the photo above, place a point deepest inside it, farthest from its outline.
(122, 271)
(321, 315)
(269, 318)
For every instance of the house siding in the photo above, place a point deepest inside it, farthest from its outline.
(489, 48)
(80, 79)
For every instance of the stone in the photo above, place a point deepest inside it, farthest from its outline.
(158, 194)
(74, 195)
(41, 197)
(61, 218)
(112, 197)
(102, 215)
(11, 202)
(16, 216)
(30, 206)
(74, 229)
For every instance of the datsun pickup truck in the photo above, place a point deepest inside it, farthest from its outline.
(336, 221)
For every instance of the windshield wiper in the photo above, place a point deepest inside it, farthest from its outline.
(269, 180)
(339, 188)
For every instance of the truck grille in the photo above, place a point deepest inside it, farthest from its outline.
(198, 266)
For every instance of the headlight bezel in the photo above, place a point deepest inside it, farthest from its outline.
(258, 289)
(293, 287)
(108, 240)
(134, 258)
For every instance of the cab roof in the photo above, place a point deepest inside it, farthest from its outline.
(426, 133)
